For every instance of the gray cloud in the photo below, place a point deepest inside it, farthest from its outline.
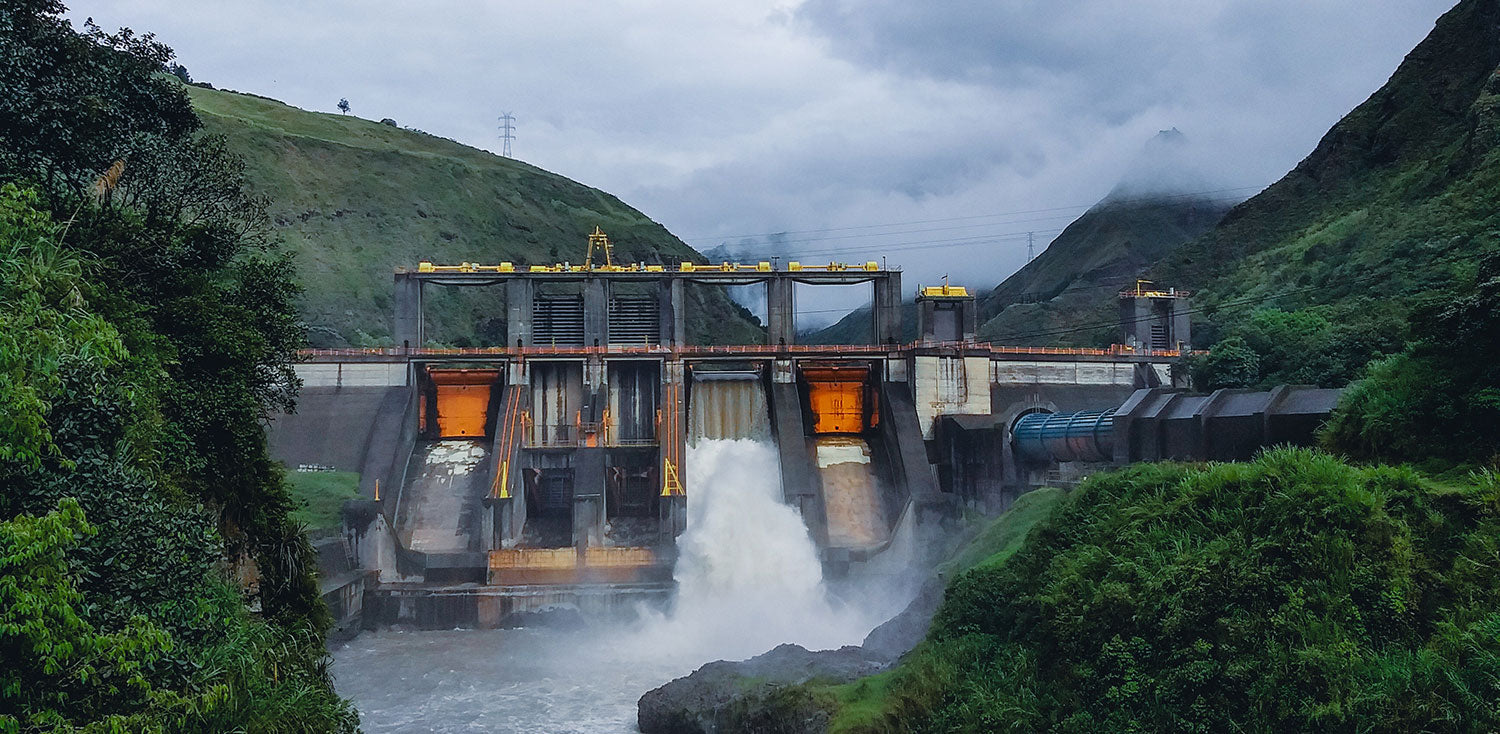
(740, 117)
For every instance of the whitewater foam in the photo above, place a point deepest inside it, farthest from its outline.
(748, 573)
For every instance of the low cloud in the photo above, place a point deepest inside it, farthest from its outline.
(972, 122)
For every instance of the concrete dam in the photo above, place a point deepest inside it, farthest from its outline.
(558, 468)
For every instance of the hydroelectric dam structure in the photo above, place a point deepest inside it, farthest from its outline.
(552, 469)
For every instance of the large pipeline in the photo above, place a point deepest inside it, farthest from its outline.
(1080, 436)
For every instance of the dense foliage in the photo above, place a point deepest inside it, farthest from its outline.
(1269, 347)
(63, 672)
(1440, 398)
(1292, 593)
(146, 328)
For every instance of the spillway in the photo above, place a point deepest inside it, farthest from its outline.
(851, 492)
(444, 481)
(748, 572)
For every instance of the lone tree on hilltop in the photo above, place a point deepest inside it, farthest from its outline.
(181, 72)
(344, 106)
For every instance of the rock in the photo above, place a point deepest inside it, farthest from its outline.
(762, 694)
(899, 634)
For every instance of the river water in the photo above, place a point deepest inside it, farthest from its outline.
(748, 579)
(523, 680)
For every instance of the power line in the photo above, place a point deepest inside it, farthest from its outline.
(922, 244)
(1122, 200)
(1052, 218)
(507, 131)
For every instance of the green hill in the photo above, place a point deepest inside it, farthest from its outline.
(355, 199)
(1145, 217)
(1392, 208)
(1073, 283)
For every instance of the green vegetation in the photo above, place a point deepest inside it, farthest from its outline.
(1292, 593)
(1271, 347)
(319, 495)
(1440, 398)
(63, 673)
(861, 706)
(1002, 537)
(147, 324)
(355, 199)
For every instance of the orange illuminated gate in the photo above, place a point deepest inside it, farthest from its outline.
(463, 400)
(839, 399)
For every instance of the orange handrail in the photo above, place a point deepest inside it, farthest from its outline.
(750, 349)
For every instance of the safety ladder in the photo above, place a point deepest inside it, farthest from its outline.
(500, 488)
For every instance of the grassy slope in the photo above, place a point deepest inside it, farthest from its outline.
(320, 495)
(355, 199)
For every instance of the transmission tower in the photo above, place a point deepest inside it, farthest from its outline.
(507, 132)
(1030, 244)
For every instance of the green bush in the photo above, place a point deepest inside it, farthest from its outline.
(1292, 593)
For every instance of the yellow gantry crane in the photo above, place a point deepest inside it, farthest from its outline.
(600, 240)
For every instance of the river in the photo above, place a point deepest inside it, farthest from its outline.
(522, 680)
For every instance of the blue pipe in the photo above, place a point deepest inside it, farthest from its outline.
(1086, 435)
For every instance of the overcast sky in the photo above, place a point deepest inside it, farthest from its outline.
(957, 126)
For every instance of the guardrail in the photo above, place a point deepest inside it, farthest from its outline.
(749, 349)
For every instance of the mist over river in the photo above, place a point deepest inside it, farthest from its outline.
(748, 579)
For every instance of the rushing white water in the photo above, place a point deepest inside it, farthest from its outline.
(748, 574)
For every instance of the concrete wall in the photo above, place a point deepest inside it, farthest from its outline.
(1066, 373)
(949, 386)
(349, 428)
(352, 374)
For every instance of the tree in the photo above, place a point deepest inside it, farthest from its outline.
(59, 669)
(181, 72)
(344, 106)
(147, 324)
(1231, 363)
